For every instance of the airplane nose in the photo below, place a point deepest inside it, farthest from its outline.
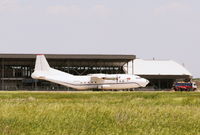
(145, 82)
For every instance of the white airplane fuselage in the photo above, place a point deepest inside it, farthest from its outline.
(92, 81)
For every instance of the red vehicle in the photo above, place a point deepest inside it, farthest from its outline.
(185, 86)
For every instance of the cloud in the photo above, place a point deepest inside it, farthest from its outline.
(101, 10)
(72, 10)
(75, 10)
(8, 5)
(172, 7)
(13, 6)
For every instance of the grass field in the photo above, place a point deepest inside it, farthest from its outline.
(100, 113)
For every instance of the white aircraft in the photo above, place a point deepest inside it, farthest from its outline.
(92, 81)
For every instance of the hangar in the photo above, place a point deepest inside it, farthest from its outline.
(161, 73)
(16, 69)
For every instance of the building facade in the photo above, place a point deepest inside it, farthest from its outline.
(16, 70)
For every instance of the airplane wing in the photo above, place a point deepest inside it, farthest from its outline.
(102, 78)
(109, 78)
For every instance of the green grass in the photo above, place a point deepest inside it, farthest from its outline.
(99, 113)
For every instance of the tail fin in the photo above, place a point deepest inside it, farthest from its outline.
(41, 63)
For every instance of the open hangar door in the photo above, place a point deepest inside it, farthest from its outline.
(161, 82)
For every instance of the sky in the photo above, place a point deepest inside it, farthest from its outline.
(159, 29)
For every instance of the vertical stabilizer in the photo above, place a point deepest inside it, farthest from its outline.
(41, 63)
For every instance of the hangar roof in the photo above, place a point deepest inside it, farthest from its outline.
(70, 59)
(72, 56)
(159, 67)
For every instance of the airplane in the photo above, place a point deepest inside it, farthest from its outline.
(43, 71)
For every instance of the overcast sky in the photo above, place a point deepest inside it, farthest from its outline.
(163, 29)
